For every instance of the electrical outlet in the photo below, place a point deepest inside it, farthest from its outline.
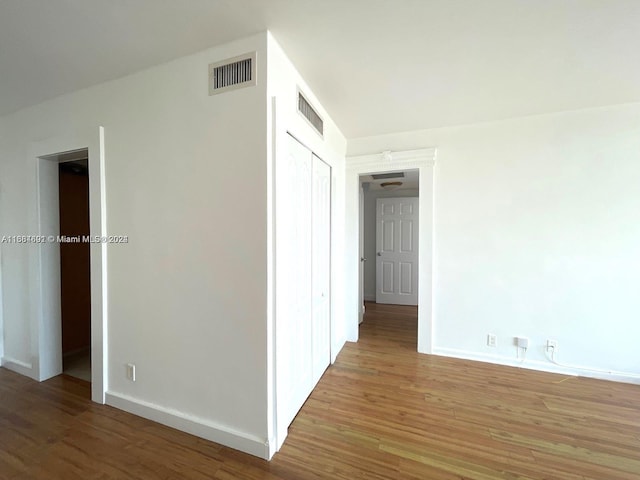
(492, 340)
(522, 342)
(131, 372)
(552, 345)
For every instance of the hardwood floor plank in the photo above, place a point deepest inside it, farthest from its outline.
(381, 412)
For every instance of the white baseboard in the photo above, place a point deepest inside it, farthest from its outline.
(194, 425)
(17, 366)
(549, 367)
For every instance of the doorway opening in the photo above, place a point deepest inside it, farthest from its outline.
(75, 268)
(388, 161)
(389, 244)
(80, 148)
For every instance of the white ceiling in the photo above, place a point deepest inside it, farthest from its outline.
(378, 66)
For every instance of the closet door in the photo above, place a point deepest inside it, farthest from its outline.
(294, 366)
(321, 267)
(303, 271)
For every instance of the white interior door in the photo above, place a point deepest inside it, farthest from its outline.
(321, 267)
(303, 271)
(397, 251)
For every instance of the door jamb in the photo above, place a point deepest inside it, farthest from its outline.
(361, 307)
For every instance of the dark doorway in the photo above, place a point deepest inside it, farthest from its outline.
(75, 272)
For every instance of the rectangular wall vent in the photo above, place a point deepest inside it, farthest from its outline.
(237, 72)
(308, 112)
(385, 176)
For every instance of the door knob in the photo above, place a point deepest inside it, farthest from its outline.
(379, 254)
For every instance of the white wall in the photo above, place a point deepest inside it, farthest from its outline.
(536, 233)
(15, 295)
(188, 294)
(282, 93)
(369, 218)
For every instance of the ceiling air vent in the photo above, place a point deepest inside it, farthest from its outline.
(237, 72)
(308, 112)
(385, 176)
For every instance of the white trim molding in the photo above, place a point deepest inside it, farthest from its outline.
(1, 313)
(197, 426)
(625, 377)
(405, 159)
(422, 160)
(17, 366)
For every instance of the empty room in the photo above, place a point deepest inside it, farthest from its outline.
(304, 239)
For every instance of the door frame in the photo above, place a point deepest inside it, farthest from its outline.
(424, 161)
(1, 314)
(46, 322)
(361, 257)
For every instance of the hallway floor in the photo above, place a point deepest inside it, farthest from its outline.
(78, 365)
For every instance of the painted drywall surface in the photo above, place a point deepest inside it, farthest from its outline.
(187, 294)
(282, 90)
(14, 181)
(537, 227)
(369, 218)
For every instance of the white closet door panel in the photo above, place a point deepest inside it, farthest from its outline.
(294, 366)
(303, 272)
(321, 267)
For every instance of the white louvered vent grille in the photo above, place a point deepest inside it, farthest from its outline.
(232, 73)
(308, 112)
(386, 176)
